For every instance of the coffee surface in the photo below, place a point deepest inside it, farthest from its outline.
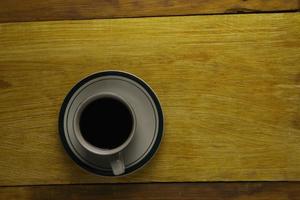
(106, 123)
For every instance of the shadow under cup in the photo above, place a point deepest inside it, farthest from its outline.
(106, 122)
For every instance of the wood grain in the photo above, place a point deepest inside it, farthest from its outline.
(167, 191)
(229, 87)
(36, 10)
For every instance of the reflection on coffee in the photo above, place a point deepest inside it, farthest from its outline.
(106, 123)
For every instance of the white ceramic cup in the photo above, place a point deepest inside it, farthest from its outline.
(115, 155)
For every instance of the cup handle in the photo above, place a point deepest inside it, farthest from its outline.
(117, 164)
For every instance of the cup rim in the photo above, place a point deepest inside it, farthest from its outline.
(88, 146)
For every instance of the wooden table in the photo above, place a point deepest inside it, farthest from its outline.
(229, 86)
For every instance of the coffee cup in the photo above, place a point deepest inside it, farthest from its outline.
(104, 125)
(111, 123)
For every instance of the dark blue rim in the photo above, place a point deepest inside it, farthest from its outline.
(102, 74)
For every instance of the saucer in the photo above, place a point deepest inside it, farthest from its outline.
(149, 120)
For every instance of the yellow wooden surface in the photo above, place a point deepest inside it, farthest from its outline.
(229, 87)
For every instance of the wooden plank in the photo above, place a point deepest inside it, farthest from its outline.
(36, 10)
(182, 191)
(229, 87)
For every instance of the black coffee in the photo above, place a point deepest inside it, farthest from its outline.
(106, 123)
